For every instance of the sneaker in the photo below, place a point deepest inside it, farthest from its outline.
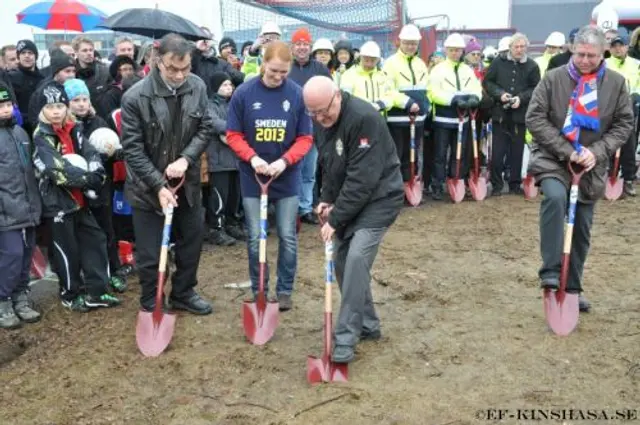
(284, 301)
(343, 354)
(629, 190)
(118, 283)
(77, 304)
(23, 308)
(8, 318)
(370, 336)
(104, 300)
(236, 232)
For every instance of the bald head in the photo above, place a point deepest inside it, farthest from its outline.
(318, 91)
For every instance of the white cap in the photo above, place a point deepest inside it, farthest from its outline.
(555, 39)
(503, 44)
(410, 33)
(455, 40)
(322, 44)
(270, 28)
(370, 49)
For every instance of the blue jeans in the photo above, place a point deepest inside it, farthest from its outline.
(286, 215)
(308, 169)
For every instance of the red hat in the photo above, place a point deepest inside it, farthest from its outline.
(301, 35)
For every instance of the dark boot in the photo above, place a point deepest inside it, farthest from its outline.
(343, 354)
(219, 237)
(237, 232)
(192, 303)
(23, 308)
(284, 302)
(585, 305)
(370, 336)
(309, 218)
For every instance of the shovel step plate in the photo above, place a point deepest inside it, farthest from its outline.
(562, 311)
(260, 323)
(478, 188)
(324, 370)
(456, 190)
(613, 189)
(413, 191)
(153, 339)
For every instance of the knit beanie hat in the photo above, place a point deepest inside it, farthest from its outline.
(75, 87)
(473, 46)
(227, 42)
(114, 68)
(217, 78)
(59, 61)
(53, 93)
(301, 35)
(26, 45)
(5, 95)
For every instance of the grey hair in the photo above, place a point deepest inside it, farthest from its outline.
(121, 40)
(591, 35)
(517, 37)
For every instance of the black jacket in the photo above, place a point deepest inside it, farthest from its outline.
(559, 60)
(518, 78)
(220, 157)
(204, 67)
(20, 204)
(56, 176)
(360, 170)
(97, 79)
(24, 83)
(148, 142)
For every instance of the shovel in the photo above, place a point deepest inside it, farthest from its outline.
(477, 183)
(455, 186)
(260, 317)
(561, 308)
(413, 188)
(614, 186)
(486, 149)
(323, 369)
(154, 330)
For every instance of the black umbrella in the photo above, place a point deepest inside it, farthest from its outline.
(152, 23)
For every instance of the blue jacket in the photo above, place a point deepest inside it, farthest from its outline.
(300, 74)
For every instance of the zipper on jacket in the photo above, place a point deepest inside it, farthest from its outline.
(413, 75)
(455, 71)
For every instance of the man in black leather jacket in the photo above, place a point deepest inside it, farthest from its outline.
(166, 126)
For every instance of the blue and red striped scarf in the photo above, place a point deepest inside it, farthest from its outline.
(582, 112)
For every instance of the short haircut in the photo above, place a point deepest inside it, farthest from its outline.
(176, 45)
(57, 44)
(81, 40)
(5, 49)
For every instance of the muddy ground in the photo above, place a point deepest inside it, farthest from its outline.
(463, 324)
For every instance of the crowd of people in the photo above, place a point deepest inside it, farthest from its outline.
(327, 123)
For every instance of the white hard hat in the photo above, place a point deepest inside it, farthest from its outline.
(410, 33)
(322, 44)
(270, 28)
(607, 19)
(490, 52)
(555, 39)
(455, 40)
(503, 44)
(370, 49)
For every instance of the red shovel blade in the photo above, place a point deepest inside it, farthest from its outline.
(260, 320)
(456, 190)
(529, 187)
(154, 336)
(613, 189)
(324, 370)
(413, 191)
(478, 188)
(562, 311)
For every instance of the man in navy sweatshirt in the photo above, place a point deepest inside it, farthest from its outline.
(302, 69)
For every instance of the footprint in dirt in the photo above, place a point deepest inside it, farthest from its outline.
(11, 350)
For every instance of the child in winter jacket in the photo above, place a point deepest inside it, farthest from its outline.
(81, 108)
(20, 209)
(78, 243)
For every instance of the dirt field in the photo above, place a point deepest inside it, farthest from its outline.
(463, 330)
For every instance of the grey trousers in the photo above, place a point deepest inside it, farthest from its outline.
(353, 260)
(553, 210)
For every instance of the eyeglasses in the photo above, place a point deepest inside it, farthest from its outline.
(324, 111)
(173, 70)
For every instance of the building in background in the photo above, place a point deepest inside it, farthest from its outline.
(539, 18)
